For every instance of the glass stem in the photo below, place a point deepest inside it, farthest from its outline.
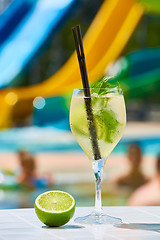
(98, 170)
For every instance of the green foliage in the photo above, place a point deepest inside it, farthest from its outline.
(151, 5)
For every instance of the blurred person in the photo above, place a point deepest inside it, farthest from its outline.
(149, 193)
(28, 176)
(135, 177)
(22, 154)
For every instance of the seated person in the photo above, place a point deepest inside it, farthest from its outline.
(149, 193)
(28, 176)
(134, 178)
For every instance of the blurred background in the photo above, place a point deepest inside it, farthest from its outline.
(38, 72)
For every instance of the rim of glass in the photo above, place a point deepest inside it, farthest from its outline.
(115, 90)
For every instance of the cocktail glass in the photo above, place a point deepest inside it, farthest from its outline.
(98, 123)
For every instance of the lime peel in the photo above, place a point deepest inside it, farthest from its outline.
(46, 203)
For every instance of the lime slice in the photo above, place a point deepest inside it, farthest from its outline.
(54, 208)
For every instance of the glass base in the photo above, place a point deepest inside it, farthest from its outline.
(95, 218)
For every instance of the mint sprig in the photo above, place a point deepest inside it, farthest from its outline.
(103, 84)
(106, 119)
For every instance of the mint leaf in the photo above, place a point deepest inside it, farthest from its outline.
(103, 84)
(106, 125)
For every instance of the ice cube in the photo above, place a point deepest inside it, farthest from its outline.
(94, 95)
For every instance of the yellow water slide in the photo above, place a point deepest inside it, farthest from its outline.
(103, 42)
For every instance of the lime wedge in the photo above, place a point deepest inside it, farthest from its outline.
(54, 208)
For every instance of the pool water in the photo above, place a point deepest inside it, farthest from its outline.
(48, 139)
(83, 194)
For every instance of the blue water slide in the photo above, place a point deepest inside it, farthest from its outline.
(30, 36)
(12, 16)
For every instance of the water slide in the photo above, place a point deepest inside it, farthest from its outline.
(12, 16)
(29, 37)
(139, 73)
(103, 42)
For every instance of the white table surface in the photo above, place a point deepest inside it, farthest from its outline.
(138, 223)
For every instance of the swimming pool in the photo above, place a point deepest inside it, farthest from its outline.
(49, 139)
(83, 193)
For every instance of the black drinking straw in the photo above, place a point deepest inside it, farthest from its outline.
(84, 76)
